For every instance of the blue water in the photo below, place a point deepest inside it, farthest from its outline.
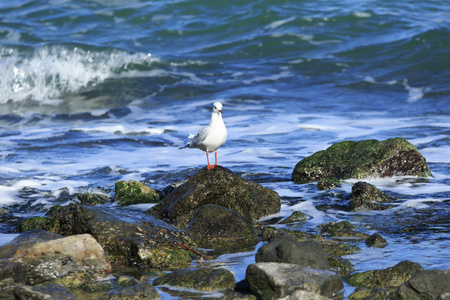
(100, 90)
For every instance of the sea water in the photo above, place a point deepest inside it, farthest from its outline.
(95, 91)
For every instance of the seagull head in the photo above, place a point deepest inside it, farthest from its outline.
(217, 107)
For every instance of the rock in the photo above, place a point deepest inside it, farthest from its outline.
(152, 242)
(363, 159)
(37, 257)
(304, 295)
(429, 284)
(92, 199)
(222, 187)
(142, 291)
(126, 281)
(271, 280)
(134, 192)
(330, 246)
(202, 279)
(387, 278)
(375, 293)
(328, 184)
(31, 224)
(49, 291)
(364, 195)
(296, 216)
(342, 229)
(216, 227)
(289, 250)
(376, 240)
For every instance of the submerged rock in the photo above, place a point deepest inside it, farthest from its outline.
(364, 195)
(363, 159)
(222, 187)
(289, 250)
(202, 279)
(269, 280)
(143, 291)
(93, 199)
(49, 291)
(387, 278)
(39, 257)
(216, 227)
(429, 284)
(152, 242)
(133, 192)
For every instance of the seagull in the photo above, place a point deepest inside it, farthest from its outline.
(211, 137)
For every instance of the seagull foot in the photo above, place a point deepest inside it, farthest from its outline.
(209, 167)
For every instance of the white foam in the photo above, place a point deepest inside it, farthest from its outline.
(279, 23)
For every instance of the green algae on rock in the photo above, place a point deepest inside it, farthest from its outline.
(386, 278)
(222, 187)
(220, 228)
(363, 159)
(201, 279)
(134, 192)
(365, 196)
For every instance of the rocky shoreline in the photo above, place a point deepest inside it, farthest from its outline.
(87, 250)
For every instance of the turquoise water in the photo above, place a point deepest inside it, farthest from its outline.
(96, 91)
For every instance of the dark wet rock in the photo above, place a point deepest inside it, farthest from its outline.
(39, 257)
(289, 250)
(387, 278)
(151, 242)
(330, 246)
(126, 281)
(328, 183)
(222, 187)
(376, 240)
(142, 291)
(134, 192)
(269, 280)
(296, 216)
(365, 196)
(216, 227)
(429, 284)
(202, 279)
(31, 224)
(93, 199)
(363, 159)
(342, 229)
(49, 291)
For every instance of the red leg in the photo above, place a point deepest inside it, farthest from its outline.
(207, 158)
(216, 160)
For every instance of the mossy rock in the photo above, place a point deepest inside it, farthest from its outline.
(220, 228)
(363, 159)
(296, 216)
(365, 196)
(376, 240)
(134, 192)
(92, 199)
(202, 279)
(386, 278)
(372, 294)
(328, 183)
(342, 229)
(219, 186)
(31, 224)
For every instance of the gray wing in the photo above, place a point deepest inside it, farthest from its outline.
(200, 137)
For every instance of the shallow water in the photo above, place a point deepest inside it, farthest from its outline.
(97, 91)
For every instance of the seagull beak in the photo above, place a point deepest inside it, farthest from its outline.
(220, 110)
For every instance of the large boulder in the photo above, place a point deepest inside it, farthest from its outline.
(363, 159)
(201, 279)
(429, 284)
(39, 257)
(289, 250)
(271, 280)
(217, 227)
(222, 187)
(151, 242)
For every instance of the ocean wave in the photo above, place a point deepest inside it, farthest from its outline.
(46, 73)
